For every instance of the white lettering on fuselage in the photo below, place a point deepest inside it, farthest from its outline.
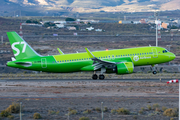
(136, 58)
(145, 57)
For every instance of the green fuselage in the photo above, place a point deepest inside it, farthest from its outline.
(82, 61)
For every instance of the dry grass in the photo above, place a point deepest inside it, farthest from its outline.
(14, 108)
(171, 112)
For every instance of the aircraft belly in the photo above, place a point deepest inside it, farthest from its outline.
(67, 67)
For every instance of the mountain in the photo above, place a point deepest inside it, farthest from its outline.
(90, 5)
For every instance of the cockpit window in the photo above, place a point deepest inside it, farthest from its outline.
(165, 51)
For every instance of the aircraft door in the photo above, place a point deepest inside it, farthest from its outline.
(155, 54)
(43, 63)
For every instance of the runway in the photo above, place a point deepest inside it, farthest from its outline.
(82, 80)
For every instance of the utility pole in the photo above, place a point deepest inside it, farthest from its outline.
(20, 111)
(1, 39)
(156, 22)
(169, 47)
(124, 18)
(20, 16)
(102, 111)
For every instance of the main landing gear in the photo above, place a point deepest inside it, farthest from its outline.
(95, 77)
(101, 76)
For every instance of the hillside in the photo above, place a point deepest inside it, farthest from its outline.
(89, 5)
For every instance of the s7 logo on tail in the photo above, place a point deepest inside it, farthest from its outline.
(16, 49)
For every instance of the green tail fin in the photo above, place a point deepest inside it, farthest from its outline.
(20, 48)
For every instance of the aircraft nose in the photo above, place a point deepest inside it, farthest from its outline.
(172, 56)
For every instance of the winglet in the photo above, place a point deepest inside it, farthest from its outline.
(89, 53)
(61, 53)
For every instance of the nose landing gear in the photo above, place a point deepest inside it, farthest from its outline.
(154, 70)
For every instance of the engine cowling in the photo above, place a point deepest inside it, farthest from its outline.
(124, 68)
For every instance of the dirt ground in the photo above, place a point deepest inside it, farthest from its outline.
(59, 96)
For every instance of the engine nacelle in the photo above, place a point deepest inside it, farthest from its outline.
(124, 68)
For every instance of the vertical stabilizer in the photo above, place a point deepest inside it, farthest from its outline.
(20, 48)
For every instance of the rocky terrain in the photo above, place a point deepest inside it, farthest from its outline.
(89, 6)
(58, 98)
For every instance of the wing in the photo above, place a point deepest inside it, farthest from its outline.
(98, 63)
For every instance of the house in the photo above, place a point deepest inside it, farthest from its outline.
(90, 28)
(60, 22)
(60, 25)
(71, 28)
(143, 21)
(98, 30)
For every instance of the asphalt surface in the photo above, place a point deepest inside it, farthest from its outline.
(71, 80)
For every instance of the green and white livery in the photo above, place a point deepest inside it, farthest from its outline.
(119, 61)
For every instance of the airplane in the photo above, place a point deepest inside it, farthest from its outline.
(119, 61)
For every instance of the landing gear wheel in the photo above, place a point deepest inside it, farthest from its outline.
(101, 77)
(154, 72)
(94, 77)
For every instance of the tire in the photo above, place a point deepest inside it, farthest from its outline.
(94, 77)
(101, 77)
(154, 72)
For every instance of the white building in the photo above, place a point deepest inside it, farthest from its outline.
(71, 28)
(60, 25)
(90, 28)
(60, 22)
(98, 30)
